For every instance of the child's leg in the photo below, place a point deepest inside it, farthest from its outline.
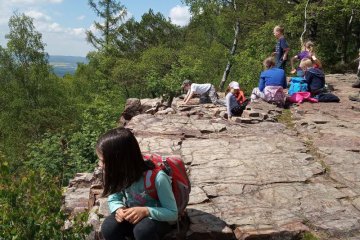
(213, 95)
(113, 230)
(256, 93)
(237, 111)
(151, 229)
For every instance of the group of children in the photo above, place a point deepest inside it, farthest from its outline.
(134, 213)
(272, 80)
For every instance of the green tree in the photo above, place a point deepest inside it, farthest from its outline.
(229, 22)
(27, 56)
(112, 13)
(336, 20)
(30, 94)
(30, 206)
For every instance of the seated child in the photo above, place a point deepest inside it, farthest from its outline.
(206, 90)
(314, 77)
(135, 213)
(271, 80)
(235, 100)
(306, 53)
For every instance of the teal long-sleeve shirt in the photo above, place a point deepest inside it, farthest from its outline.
(163, 209)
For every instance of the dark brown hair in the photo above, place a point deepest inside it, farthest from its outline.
(124, 163)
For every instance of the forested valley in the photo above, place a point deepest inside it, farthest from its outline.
(49, 125)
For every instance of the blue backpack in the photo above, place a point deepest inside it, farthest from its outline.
(297, 84)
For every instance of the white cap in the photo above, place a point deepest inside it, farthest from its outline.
(234, 85)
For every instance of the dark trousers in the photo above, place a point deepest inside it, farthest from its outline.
(238, 110)
(144, 230)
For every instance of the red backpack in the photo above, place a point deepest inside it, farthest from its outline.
(175, 168)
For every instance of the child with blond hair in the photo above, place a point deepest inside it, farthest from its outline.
(281, 48)
(306, 53)
(314, 77)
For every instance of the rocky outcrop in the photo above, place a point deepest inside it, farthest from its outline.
(257, 178)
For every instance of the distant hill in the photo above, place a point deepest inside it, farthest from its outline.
(65, 64)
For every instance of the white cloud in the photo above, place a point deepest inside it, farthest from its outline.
(55, 27)
(180, 15)
(77, 31)
(82, 17)
(34, 1)
(59, 40)
(38, 16)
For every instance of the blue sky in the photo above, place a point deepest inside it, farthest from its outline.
(63, 22)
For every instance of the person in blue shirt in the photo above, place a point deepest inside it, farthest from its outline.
(134, 213)
(281, 48)
(271, 77)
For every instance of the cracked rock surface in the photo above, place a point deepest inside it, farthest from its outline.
(265, 179)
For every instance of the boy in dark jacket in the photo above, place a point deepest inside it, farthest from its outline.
(314, 77)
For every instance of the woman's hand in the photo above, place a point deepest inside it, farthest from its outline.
(135, 214)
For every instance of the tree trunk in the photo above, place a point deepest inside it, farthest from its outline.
(232, 53)
(346, 38)
(305, 23)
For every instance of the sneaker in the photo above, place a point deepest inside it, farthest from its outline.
(356, 84)
(355, 97)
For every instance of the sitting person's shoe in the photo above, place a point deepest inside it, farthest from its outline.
(355, 97)
(356, 84)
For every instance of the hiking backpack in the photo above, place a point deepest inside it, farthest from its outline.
(275, 94)
(175, 168)
(297, 84)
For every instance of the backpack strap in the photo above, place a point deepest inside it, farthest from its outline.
(149, 178)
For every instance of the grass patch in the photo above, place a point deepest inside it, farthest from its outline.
(309, 236)
(286, 118)
(314, 151)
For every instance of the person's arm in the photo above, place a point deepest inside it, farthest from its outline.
(286, 51)
(284, 45)
(261, 83)
(189, 97)
(115, 201)
(292, 60)
(228, 96)
(168, 210)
